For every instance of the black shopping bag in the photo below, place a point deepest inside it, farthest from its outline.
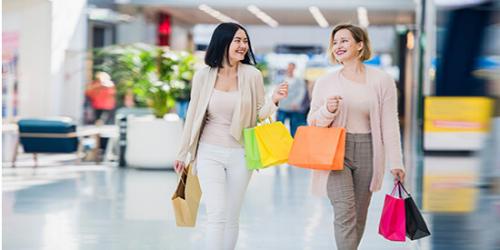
(416, 227)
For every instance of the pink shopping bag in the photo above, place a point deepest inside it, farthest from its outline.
(393, 220)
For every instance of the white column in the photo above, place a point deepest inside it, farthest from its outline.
(429, 86)
(51, 78)
(68, 69)
(31, 20)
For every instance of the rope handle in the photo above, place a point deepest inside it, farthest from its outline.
(261, 121)
(179, 175)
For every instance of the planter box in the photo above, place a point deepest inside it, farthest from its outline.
(152, 142)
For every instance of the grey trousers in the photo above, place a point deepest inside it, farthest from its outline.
(349, 191)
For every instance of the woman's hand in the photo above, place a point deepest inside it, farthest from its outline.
(179, 166)
(280, 92)
(333, 103)
(399, 175)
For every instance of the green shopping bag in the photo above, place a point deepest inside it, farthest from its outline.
(252, 154)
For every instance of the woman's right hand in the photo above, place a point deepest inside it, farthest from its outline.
(179, 166)
(333, 103)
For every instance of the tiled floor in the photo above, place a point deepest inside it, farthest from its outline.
(103, 207)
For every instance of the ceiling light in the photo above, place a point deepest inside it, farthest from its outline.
(216, 14)
(262, 16)
(363, 17)
(107, 15)
(320, 19)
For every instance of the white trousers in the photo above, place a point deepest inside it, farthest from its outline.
(224, 178)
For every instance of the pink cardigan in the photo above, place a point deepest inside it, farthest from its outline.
(383, 123)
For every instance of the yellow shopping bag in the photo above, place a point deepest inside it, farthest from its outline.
(275, 143)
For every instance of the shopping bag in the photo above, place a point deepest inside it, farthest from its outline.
(252, 155)
(318, 148)
(274, 142)
(393, 220)
(186, 199)
(416, 228)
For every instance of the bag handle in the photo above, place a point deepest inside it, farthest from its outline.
(268, 118)
(399, 186)
(394, 189)
(179, 175)
(180, 190)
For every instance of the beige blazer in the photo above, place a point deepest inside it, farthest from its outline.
(251, 105)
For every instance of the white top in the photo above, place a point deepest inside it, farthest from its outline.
(359, 97)
(217, 129)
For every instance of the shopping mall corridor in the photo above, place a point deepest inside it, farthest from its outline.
(103, 207)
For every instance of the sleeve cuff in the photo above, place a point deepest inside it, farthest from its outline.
(397, 165)
(272, 106)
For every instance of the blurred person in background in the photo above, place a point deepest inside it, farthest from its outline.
(181, 107)
(363, 100)
(295, 106)
(102, 96)
(226, 97)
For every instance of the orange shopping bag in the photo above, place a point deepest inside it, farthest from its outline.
(318, 148)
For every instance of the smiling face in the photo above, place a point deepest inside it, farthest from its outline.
(345, 47)
(238, 47)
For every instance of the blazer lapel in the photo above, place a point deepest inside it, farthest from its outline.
(341, 119)
(238, 107)
(207, 90)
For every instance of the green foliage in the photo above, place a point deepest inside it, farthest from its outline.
(156, 75)
(264, 69)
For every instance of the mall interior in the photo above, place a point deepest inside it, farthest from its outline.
(83, 169)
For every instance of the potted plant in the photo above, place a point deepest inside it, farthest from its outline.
(181, 82)
(156, 76)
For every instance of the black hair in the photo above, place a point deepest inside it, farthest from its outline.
(218, 48)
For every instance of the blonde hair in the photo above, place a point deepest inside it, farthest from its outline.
(359, 34)
(104, 78)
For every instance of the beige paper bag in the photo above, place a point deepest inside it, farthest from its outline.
(186, 199)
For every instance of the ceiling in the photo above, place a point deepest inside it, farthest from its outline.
(291, 12)
(292, 16)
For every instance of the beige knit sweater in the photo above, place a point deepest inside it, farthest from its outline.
(383, 122)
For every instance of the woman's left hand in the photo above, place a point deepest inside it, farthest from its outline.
(399, 175)
(280, 92)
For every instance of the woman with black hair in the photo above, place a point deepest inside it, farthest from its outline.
(226, 97)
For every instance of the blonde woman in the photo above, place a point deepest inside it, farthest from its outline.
(363, 100)
(226, 97)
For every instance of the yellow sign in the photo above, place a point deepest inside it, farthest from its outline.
(312, 74)
(449, 193)
(457, 114)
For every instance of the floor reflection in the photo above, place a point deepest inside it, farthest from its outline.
(103, 207)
